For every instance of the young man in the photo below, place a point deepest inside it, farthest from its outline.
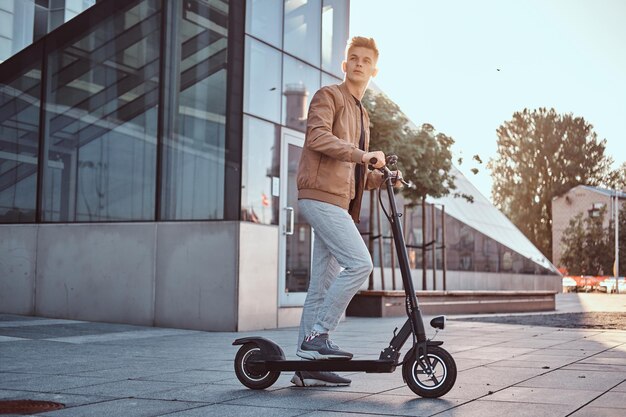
(332, 176)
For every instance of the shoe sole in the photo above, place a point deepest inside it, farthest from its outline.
(315, 355)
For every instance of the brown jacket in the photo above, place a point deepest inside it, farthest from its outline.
(331, 150)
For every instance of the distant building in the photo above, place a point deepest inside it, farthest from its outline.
(581, 199)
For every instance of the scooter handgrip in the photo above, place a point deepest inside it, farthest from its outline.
(373, 161)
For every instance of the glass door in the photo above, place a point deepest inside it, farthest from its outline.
(295, 234)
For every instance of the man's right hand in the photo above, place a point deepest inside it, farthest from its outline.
(380, 159)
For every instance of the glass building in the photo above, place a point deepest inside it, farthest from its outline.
(148, 151)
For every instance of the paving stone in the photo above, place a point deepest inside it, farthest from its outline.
(545, 395)
(396, 405)
(598, 412)
(190, 373)
(69, 400)
(579, 380)
(207, 393)
(583, 366)
(126, 388)
(124, 407)
(483, 408)
(304, 399)
(223, 410)
(51, 383)
(611, 400)
(620, 388)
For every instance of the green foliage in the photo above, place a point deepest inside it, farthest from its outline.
(616, 179)
(586, 246)
(424, 155)
(589, 249)
(543, 154)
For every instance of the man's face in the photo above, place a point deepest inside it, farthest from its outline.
(360, 65)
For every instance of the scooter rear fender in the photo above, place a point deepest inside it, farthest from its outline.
(270, 351)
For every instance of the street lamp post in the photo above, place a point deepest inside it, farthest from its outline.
(616, 268)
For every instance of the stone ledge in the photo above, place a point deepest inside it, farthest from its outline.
(391, 303)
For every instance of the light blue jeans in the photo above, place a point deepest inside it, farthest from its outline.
(337, 244)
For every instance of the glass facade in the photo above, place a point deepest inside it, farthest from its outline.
(261, 171)
(19, 143)
(194, 142)
(101, 121)
(467, 249)
(128, 132)
(24, 21)
(292, 48)
(478, 237)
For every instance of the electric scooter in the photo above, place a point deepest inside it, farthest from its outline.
(427, 369)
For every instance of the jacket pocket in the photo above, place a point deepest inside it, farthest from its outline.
(333, 176)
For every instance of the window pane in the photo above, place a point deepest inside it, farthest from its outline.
(262, 81)
(302, 29)
(193, 159)
(329, 80)
(260, 172)
(101, 121)
(264, 20)
(19, 139)
(301, 81)
(334, 35)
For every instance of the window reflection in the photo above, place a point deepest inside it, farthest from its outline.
(101, 121)
(302, 29)
(466, 248)
(262, 81)
(264, 20)
(19, 144)
(260, 172)
(194, 153)
(329, 80)
(300, 82)
(334, 34)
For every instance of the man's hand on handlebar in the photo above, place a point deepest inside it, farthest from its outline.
(379, 156)
(397, 180)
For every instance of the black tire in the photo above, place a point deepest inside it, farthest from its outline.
(433, 385)
(247, 377)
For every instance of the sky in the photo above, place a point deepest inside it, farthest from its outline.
(466, 66)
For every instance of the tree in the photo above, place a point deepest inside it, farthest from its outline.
(425, 155)
(587, 246)
(542, 154)
(616, 179)
(589, 249)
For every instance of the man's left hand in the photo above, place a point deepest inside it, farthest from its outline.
(397, 179)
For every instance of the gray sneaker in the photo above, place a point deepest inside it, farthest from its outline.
(319, 346)
(319, 379)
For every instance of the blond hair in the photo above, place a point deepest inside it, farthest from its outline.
(360, 41)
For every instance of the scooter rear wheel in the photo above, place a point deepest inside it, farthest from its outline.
(248, 377)
(430, 378)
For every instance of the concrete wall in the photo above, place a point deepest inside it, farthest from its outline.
(168, 274)
(258, 277)
(196, 275)
(96, 272)
(18, 268)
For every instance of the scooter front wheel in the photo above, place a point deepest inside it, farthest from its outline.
(249, 377)
(431, 376)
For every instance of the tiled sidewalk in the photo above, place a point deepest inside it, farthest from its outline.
(99, 369)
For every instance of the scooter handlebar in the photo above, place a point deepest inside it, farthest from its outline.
(390, 160)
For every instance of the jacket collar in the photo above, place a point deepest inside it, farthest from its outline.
(344, 89)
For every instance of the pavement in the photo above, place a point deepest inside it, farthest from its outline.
(101, 369)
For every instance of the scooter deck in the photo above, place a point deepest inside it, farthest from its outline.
(369, 366)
